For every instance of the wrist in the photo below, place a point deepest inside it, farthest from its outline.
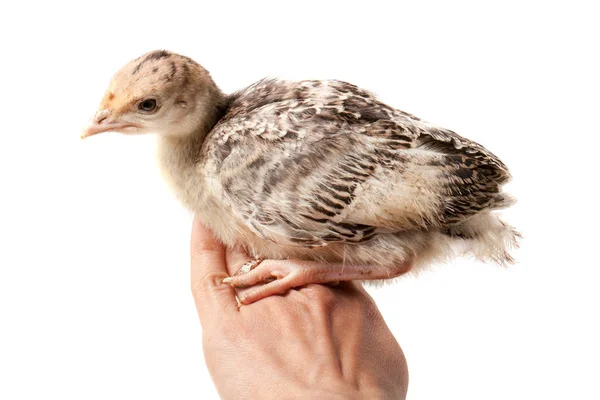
(346, 392)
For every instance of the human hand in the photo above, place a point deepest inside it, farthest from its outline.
(314, 342)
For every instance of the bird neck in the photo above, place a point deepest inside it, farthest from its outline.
(212, 106)
(180, 155)
(185, 148)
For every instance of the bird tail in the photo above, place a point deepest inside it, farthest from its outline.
(501, 200)
(485, 237)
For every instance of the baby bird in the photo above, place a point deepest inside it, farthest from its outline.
(318, 180)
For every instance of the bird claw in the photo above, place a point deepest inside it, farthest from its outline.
(276, 276)
(244, 269)
(248, 266)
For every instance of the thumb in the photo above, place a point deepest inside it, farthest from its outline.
(214, 300)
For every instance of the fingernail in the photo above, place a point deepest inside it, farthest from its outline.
(226, 280)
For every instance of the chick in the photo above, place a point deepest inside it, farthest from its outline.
(319, 178)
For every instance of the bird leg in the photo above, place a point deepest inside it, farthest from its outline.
(283, 275)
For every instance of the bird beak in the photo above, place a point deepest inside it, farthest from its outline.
(94, 128)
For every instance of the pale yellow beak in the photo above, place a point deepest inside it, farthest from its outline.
(94, 128)
(102, 123)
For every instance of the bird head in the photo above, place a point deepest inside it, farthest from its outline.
(160, 92)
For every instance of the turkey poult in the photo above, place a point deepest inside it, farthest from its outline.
(319, 180)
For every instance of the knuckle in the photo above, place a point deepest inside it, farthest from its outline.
(321, 295)
(209, 282)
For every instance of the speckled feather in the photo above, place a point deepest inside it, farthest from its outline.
(319, 170)
(314, 163)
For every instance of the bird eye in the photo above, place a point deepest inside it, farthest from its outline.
(147, 105)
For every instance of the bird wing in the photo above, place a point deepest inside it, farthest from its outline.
(316, 162)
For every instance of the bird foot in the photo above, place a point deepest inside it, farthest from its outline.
(247, 267)
(279, 276)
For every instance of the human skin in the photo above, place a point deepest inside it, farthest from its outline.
(317, 342)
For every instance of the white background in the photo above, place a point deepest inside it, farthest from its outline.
(94, 291)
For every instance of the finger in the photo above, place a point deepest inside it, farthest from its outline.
(214, 300)
(353, 286)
